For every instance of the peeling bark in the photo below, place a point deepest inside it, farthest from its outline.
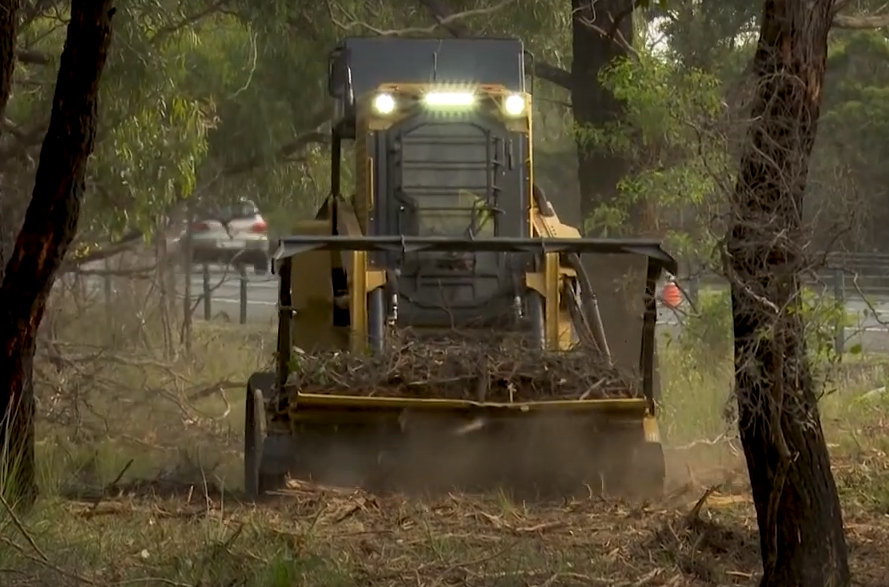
(797, 506)
(49, 227)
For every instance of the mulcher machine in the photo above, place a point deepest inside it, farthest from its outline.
(446, 231)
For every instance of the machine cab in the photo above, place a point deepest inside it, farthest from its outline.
(441, 132)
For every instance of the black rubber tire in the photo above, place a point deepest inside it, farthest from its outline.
(253, 442)
(279, 456)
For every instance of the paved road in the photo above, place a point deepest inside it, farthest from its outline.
(225, 290)
(871, 329)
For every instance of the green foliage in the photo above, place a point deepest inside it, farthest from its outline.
(710, 35)
(146, 186)
(671, 134)
(201, 99)
(857, 106)
(710, 328)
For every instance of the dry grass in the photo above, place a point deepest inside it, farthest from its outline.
(140, 469)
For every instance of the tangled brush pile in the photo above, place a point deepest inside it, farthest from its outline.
(464, 370)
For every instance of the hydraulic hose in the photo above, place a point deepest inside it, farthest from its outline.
(587, 295)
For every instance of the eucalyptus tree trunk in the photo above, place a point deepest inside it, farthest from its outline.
(797, 506)
(49, 227)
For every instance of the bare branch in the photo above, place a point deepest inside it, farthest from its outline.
(613, 33)
(445, 17)
(861, 22)
(33, 57)
(876, 20)
(105, 252)
(188, 21)
(284, 153)
(448, 22)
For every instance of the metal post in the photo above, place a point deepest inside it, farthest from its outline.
(205, 269)
(108, 291)
(694, 289)
(242, 273)
(185, 254)
(285, 322)
(839, 293)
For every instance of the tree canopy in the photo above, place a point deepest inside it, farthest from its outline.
(223, 99)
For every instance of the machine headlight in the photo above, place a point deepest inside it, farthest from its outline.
(449, 99)
(514, 104)
(384, 104)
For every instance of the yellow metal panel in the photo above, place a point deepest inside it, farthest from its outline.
(551, 226)
(536, 281)
(313, 331)
(630, 406)
(551, 310)
(375, 278)
(310, 276)
(567, 338)
(358, 301)
(651, 429)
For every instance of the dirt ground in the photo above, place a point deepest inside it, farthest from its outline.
(140, 458)
(170, 532)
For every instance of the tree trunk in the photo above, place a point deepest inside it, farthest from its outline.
(797, 507)
(49, 227)
(596, 43)
(602, 33)
(8, 22)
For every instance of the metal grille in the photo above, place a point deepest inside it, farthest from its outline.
(447, 185)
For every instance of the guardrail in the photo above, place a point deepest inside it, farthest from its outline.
(856, 280)
(850, 273)
(847, 277)
(860, 281)
(859, 274)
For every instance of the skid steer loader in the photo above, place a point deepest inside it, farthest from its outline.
(446, 236)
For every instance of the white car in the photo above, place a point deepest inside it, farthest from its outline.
(231, 235)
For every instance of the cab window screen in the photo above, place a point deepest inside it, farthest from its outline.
(446, 180)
